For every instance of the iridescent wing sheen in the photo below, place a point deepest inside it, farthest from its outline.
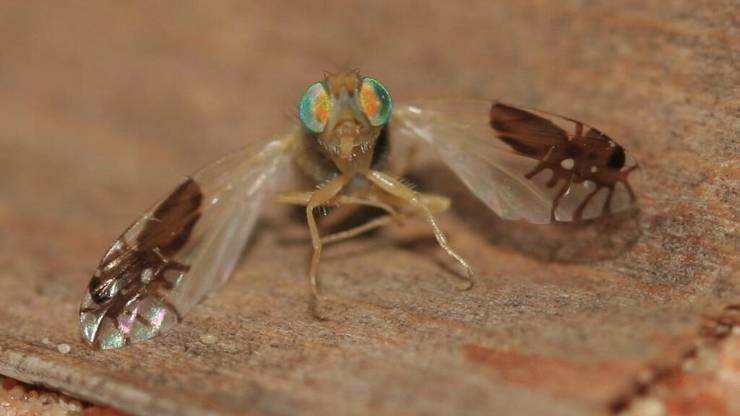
(523, 163)
(179, 250)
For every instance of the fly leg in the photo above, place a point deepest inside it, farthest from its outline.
(303, 198)
(558, 197)
(355, 231)
(368, 226)
(321, 196)
(416, 201)
(435, 203)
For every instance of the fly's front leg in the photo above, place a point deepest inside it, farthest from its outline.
(425, 204)
(293, 198)
(325, 194)
(321, 196)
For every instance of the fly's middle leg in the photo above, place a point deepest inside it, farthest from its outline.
(435, 203)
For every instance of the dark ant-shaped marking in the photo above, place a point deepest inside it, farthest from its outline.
(128, 274)
(591, 156)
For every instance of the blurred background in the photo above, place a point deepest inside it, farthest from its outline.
(109, 93)
(113, 101)
(106, 105)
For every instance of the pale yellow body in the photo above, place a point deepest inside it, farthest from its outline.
(349, 141)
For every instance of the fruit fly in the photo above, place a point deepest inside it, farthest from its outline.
(522, 163)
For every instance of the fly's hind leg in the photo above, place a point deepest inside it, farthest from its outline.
(426, 205)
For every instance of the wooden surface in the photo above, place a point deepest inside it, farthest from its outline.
(103, 107)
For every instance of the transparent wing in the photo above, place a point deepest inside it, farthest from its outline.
(179, 250)
(523, 163)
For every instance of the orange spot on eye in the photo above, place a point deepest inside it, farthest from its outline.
(321, 110)
(370, 101)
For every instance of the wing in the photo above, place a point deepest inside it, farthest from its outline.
(524, 164)
(179, 250)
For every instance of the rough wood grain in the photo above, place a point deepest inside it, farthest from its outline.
(105, 106)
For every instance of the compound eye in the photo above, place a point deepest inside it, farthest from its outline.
(375, 101)
(315, 107)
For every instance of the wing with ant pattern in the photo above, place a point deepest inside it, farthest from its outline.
(179, 250)
(523, 163)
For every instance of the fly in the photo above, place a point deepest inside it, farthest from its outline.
(522, 163)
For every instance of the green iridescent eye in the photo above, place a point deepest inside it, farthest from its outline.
(375, 101)
(314, 108)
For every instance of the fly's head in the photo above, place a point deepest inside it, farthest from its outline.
(346, 112)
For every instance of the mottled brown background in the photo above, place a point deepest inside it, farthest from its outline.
(105, 105)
